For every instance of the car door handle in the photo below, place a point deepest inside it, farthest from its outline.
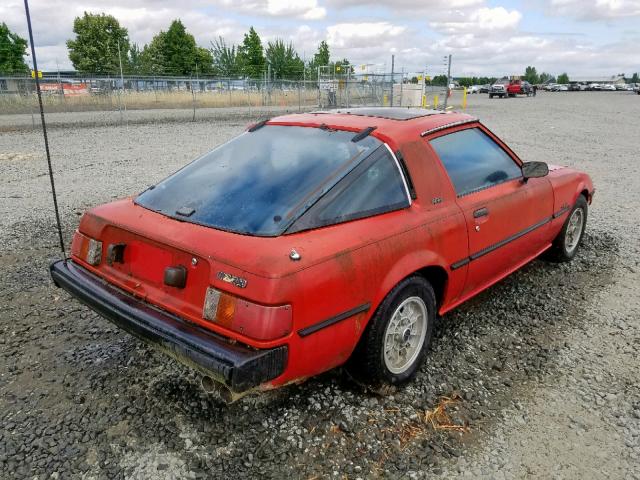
(481, 212)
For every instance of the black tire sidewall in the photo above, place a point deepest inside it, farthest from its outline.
(581, 203)
(375, 335)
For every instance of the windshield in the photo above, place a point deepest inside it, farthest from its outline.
(261, 181)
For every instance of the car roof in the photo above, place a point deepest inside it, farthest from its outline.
(390, 113)
(400, 124)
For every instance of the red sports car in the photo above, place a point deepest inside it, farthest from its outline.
(314, 239)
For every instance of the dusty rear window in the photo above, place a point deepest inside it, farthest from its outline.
(261, 181)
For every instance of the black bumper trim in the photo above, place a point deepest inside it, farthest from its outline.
(238, 367)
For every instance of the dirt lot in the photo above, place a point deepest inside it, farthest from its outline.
(543, 368)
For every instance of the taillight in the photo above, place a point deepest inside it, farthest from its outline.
(248, 318)
(86, 248)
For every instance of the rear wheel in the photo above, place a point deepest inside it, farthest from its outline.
(491, 95)
(395, 342)
(565, 245)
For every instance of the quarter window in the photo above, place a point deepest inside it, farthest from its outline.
(373, 187)
(474, 161)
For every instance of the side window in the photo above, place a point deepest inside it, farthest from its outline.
(474, 161)
(373, 187)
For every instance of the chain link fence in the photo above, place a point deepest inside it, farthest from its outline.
(112, 100)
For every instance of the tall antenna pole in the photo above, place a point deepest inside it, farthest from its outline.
(44, 129)
(120, 61)
(122, 80)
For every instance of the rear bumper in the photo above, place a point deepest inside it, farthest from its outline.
(237, 367)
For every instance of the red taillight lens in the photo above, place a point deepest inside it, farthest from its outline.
(86, 248)
(248, 318)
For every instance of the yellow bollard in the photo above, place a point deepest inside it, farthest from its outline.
(464, 98)
(435, 101)
(385, 100)
(424, 101)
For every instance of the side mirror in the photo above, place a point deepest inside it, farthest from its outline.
(534, 170)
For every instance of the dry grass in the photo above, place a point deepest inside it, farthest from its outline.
(132, 100)
(437, 418)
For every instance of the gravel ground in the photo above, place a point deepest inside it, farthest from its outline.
(25, 121)
(538, 376)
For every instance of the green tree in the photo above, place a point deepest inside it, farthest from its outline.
(284, 61)
(204, 61)
(250, 55)
(321, 57)
(635, 78)
(563, 78)
(175, 52)
(179, 50)
(546, 77)
(152, 59)
(134, 64)
(95, 48)
(440, 80)
(13, 49)
(531, 75)
(225, 58)
(343, 66)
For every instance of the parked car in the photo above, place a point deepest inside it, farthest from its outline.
(473, 89)
(485, 88)
(519, 87)
(609, 87)
(620, 86)
(498, 89)
(312, 240)
(595, 87)
(562, 88)
(551, 87)
(574, 87)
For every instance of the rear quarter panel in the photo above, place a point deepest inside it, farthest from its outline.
(392, 247)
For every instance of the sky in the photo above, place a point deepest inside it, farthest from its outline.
(484, 37)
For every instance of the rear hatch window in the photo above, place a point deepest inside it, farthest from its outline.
(261, 181)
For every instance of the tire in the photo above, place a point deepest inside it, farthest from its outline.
(565, 245)
(491, 95)
(369, 361)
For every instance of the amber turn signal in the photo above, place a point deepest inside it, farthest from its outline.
(260, 322)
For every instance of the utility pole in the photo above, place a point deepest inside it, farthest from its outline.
(401, 84)
(446, 98)
(423, 97)
(393, 59)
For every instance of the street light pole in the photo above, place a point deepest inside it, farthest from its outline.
(393, 59)
(446, 98)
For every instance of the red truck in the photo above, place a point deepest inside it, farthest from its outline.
(519, 87)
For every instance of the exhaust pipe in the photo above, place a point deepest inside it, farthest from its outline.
(220, 390)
